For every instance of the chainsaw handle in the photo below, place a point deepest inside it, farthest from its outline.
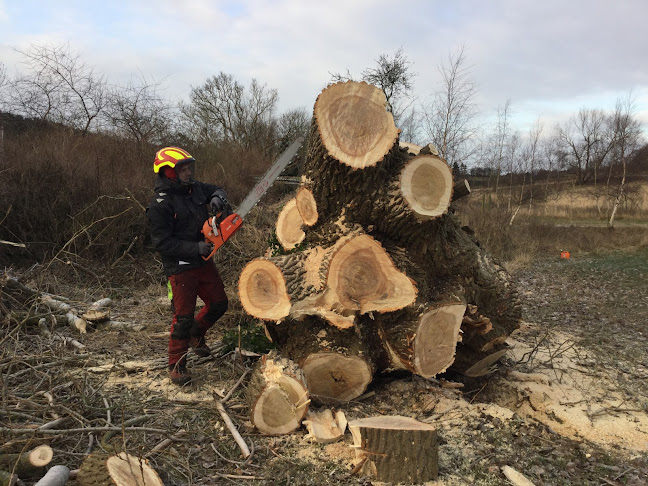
(213, 252)
(217, 232)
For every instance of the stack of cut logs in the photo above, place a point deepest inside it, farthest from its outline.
(376, 272)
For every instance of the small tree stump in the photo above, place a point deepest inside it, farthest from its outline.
(396, 449)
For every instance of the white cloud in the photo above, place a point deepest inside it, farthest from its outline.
(547, 57)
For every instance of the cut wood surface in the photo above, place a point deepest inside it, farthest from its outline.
(333, 377)
(278, 396)
(28, 464)
(307, 206)
(425, 345)
(386, 276)
(289, 226)
(262, 290)
(396, 449)
(119, 470)
(426, 184)
(365, 279)
(354, 125)
(325, 427)
(411, 148)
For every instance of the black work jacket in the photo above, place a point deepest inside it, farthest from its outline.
(176, 215)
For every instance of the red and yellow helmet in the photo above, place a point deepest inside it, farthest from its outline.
(170, 157)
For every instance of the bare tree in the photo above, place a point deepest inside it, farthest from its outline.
(222, 110)
(531, 154)
(59, 86)
(501, 137)
(627, 135)
(138, 111)
(292, 124)
(585, 143)
(450, 118)
(393, 75)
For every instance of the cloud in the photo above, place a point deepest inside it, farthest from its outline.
(547, 57)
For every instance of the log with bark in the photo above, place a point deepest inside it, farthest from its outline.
(396, 449)
(384, 275)
(28, 464)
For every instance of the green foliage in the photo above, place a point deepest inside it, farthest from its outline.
(251, 337)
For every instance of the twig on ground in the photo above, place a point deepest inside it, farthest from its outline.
(230, 426)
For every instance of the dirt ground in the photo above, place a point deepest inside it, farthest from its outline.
(567, 405)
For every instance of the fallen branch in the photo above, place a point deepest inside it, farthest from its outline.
(230, 426)
(85, 430)
(56, 476)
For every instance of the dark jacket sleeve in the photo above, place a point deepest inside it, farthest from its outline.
(209, 189)
(160, 217)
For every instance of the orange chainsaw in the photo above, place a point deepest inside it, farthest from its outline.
(217, 230)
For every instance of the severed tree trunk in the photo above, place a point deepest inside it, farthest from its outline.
(28, 464)
(396, 449)
(385, 276)
(118, 470)
(278, 396)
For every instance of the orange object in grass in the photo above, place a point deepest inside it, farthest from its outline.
(565, 255)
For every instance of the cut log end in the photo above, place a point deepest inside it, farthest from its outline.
(262, 290)
(333, 378)
(280, 407)
(41, 456)
(121, 470)
(364, 277)
(307, 206)
(289, 226)
(354, 125)
(436, 339)
(426, 185)
(278, 395)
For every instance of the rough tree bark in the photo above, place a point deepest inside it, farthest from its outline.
(28, 464)
(385, 277)
(396, 449)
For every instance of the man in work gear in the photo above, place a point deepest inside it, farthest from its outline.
(176, 215)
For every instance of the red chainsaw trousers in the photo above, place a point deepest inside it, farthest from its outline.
(203, 282)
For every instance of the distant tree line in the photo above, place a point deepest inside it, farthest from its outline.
(72, 136)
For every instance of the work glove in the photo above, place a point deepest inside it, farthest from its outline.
(204, 249)
(219, 201)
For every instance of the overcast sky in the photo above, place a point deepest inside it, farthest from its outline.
(549, 57)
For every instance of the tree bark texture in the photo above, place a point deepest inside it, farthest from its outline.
(28, 464)
(396, 449)
(385, 276)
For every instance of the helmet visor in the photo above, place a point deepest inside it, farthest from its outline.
(185, 171)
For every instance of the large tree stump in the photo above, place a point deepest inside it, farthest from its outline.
(396, 449)
(118, 470)
(278, 396)
(384, 277)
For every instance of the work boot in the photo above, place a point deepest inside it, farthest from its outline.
(179, 374)
(200, 347)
